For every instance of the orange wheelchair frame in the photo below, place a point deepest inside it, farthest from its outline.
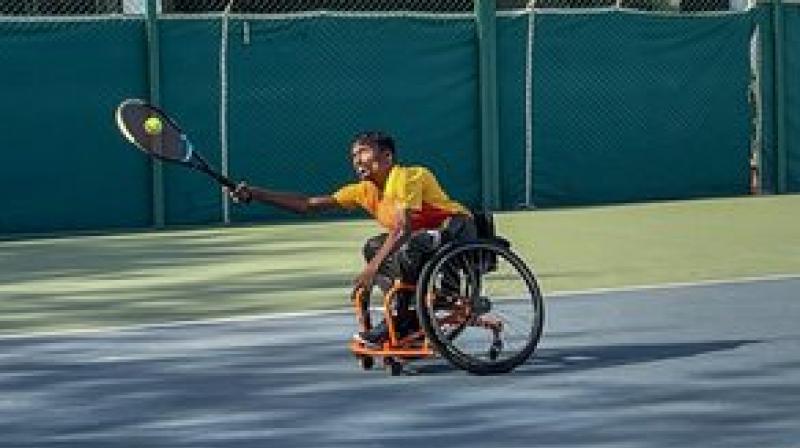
(396, 348)
(444, 316)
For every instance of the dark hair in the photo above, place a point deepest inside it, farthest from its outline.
(375, 140)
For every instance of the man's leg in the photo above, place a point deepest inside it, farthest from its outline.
(405, 264)
(459, 228)
(371, 247)
(412, 256)
(387, 271)
(409, 261)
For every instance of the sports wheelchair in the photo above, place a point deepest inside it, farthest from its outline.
(479, 306)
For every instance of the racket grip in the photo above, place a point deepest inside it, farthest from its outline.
(226, 182)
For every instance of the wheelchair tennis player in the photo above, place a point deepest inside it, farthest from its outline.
(407, 201)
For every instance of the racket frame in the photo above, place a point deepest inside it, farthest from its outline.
(193, 159)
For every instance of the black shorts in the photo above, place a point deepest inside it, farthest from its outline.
(407, 262)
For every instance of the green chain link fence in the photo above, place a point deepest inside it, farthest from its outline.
(598, 101)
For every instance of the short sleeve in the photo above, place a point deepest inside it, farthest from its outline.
(350, 196)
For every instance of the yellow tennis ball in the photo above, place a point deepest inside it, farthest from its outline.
(153, 126)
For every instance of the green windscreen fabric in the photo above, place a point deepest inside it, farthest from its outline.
(792, 55)
(512, 42)
(631, 107)
(63, 165)
(190, 91)
(301, 89)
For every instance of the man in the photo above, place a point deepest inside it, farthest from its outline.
(406, 200)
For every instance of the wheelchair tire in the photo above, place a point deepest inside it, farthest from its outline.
(457, 307)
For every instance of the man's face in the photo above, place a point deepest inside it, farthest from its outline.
(369, 163)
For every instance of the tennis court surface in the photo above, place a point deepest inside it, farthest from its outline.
(181, 338)
(713, 365)
(79, 282)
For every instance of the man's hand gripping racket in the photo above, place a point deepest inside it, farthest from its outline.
(151, 130)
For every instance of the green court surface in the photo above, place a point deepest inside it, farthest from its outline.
(64, 283)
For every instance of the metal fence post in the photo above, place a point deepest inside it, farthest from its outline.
(153, 58)
(780, 98)
(485, 16)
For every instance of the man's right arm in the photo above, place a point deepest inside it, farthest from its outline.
(294, 202)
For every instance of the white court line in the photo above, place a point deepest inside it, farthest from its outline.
(676, 285)
(314, 313)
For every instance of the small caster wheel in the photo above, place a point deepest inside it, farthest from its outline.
(495, 350)
(366, 362)
(394, 366)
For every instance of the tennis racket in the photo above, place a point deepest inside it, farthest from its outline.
(170, 144)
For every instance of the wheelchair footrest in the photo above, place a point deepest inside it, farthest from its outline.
(387, 350)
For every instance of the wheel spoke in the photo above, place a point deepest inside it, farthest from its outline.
(485, 311)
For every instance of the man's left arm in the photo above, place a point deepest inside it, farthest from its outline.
(398, 235)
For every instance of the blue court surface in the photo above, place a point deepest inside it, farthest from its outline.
(715, 365)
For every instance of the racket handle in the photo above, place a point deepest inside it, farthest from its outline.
(225, 182)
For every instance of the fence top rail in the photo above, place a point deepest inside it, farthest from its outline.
(602, 6)
(69, 18)
(325, 13)
(608, 10)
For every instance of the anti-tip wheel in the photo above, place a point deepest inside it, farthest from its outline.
(366, 362)
(394, 366)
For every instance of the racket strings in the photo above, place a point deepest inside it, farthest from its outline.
(170, 143)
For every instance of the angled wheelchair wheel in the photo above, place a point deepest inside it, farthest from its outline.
(480, 306)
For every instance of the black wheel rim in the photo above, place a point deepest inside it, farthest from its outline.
(482, 308)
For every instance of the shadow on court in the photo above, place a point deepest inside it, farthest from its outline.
(95, 282)
(176, 391)
(571, 359)
(594, 357)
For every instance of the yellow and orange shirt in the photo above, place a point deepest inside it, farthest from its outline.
(408, 187)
